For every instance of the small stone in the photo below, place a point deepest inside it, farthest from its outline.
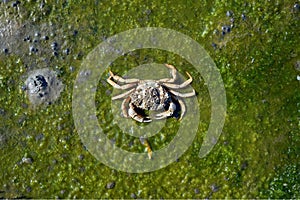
(54, 46)
(72, 68)
(67, 51)
(111, 185)
(27, 160)
(27, 38)
(39, 137)
(81, 157)
(2, 111)
(296, 7)
(75, 32)
(214, 45)
(15, 4)
(37, 34)
(23, 88)
(45, 37)
(214, 188)
(43, 86)
(197, 191)
(229, 13)
(298, 77)
(244, 17)
(133, 195)
(28, 189)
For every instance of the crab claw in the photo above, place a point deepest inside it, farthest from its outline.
(134, 115)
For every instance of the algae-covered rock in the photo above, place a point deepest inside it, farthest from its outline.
(43, 86)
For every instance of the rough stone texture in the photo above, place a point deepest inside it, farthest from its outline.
(43, 86)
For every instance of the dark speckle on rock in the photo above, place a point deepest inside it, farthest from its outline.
(111, 185)
(5, 50)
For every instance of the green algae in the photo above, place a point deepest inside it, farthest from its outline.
(258, 151)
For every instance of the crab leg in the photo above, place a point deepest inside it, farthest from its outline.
(134, 115)
(167, 113)
(122, 80)
(120, 96)
(124, 108)
(182, 108)
(173, 72)
(121, 87)
(182, 85)
(190, 94)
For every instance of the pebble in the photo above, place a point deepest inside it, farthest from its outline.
(54, 46)
(67, 51)
(214, 188)
(28, 189)
(27, 160)
(111, 185)
(133, 195)
(229, 13)
(15, 4)
(75, 32)
(226, 29)
(244, 17)
(43, 86)
(37, 34)
(298, 77)
(2, 111)
(72, 68)
(81, 157)
(45, 37)
(214, 45)
(39, 137)
(197, 191)
(296, 7)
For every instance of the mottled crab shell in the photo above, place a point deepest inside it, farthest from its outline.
(150, 95)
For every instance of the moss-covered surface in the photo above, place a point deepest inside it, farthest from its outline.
(257, 155)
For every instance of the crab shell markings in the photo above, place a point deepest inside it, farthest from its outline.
(154, 95)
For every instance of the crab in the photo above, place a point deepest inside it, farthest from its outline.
(151, 95)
